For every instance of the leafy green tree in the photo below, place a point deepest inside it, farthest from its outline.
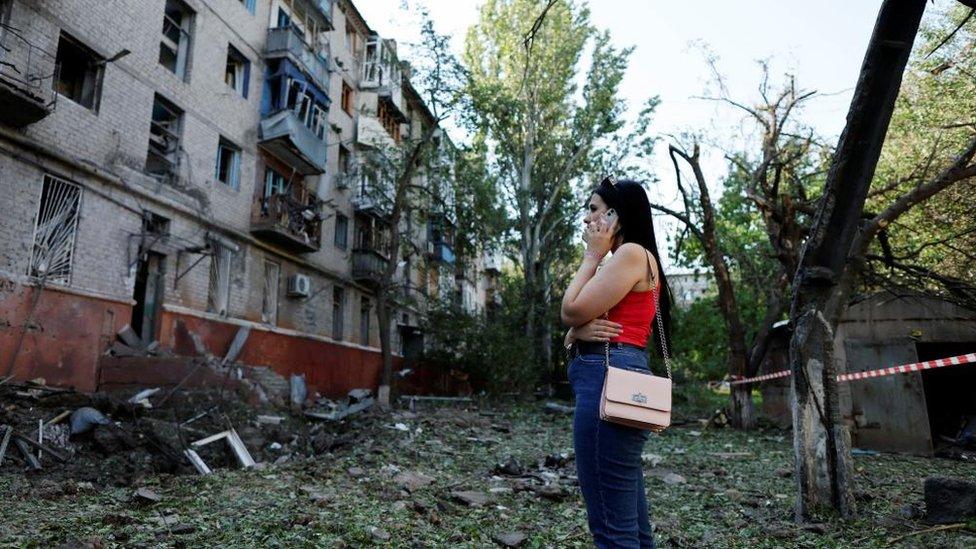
(541, 129)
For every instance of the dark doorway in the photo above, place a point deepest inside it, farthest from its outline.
(148, 295)
(948, 391)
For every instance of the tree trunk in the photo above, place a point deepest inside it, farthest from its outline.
(821, 444)
(383, 317)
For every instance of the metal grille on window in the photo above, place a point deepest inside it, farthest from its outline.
(219, 295)
(269, 305)
(55, 230)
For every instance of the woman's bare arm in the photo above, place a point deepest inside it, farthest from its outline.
(591, 293)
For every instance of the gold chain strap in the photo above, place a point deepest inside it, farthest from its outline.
(660, 331)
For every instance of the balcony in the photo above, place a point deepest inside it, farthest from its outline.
(372, 198)
(440, 251)
(287, 42)
(27, 73)
(368, 265)
(287, 222)
(493, 262)
(285, 136)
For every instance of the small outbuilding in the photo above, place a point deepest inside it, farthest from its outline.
(913, 412)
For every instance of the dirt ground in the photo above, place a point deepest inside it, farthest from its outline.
(487, 475)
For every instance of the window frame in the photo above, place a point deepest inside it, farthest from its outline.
(347, 98)
(269, 297)
(174, 131)
(49, 180)
(234, 167)
(365, 309)
(92, 77)
(218, 295)
(341, 243)
(338, 310)
(242, 80)
(182, 50)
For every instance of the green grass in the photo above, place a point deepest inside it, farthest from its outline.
(726, 501)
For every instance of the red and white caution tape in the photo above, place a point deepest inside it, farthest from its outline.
(916, 367)
(764, 377)
(903, 369)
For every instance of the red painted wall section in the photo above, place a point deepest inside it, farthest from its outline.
(64, 339)
(330, 369)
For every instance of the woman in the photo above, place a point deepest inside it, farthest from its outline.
(608, 455)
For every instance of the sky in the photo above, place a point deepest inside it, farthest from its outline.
(822, 43)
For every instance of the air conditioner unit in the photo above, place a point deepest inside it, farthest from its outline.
(430, 248)
(299, 285)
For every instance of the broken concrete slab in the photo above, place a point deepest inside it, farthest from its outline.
(949, 500)
(128, 336)
(470, 497)
(509, 539)
(411, 481)
(145, 495)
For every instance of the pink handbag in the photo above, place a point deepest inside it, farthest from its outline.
(636, 398)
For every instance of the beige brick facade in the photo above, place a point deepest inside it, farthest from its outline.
(104, 151)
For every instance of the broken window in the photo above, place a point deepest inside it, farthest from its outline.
(341, 231)
(164, 137)
(228, 163)
(80, 75)
(237, 72)
(346, 98)
(338, 304)
(269, 303)
(174, 47)
(219, 295)
(364, 321)
(54, 230)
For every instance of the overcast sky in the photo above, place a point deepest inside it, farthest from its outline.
(821, 42)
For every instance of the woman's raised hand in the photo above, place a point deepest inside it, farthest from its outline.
(599, 236)
(598, 329)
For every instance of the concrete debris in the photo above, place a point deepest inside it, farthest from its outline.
(298, 390)
(145, 495)
(129, 337)
(379, 534)
(509, 539)
(673, 478)
(270, 420)
(470, 498)
(652, 459)
(555, 408)
(949, 500)
(357, 401)
(412, 482)
(142, 397)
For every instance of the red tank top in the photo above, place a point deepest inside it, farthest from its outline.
(635, 313)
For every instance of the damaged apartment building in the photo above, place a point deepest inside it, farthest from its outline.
(191, 167)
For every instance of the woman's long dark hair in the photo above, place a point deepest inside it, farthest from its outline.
(629, 199)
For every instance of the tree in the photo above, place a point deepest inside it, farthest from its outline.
(770, 191)
(403, 176)
(541, 130)
(821, 446)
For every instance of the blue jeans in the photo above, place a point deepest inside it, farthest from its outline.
(608, 457)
